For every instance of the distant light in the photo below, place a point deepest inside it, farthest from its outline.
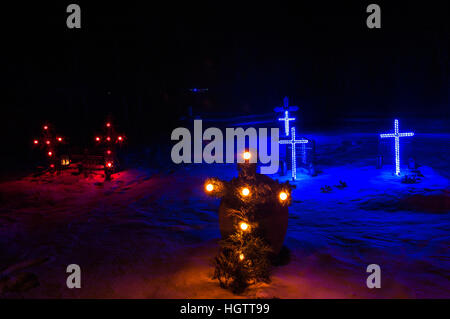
(50, 153)
(45, 127)
(108, 124)
(209, 187)
(47, 142)
(108, 152)
(245, 191)
(244, 226)
(283, 196)
(241, 257)
(60, 139)
(109, 164)
(36, 142)
(108, 139)
(52, 165)
(97, 139)
(119, 138)
(247, 155)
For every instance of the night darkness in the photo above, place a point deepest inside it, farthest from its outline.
(137, 64)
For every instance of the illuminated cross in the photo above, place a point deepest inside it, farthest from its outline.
(286, 120)
(286, 108)
(396, 135)
(293, 142)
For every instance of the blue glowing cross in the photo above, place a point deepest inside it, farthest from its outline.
(286, 108)
(293, 142)
(396, 135)
(286, 120)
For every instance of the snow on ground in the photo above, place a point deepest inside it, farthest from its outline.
(152, 235)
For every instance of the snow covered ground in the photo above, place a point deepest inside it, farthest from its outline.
(152, 235)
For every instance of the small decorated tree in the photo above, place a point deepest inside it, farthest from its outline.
(253, 218)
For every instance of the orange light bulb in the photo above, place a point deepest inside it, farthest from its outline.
(244, 226)
(283, 196)
(209, 187)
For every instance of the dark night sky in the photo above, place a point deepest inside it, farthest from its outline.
(138, 63)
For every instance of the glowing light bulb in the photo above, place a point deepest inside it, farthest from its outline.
(209, 187)
(241, 256)
(45, 127)
(59, 139)
(97, 139)
(283, 196)
(245, 191)
(36, 141)
(108, 124)
(247, 155)
(109, 164)
(50, 153)
(120, 138)
(244, 226)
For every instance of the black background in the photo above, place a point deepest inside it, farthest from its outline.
(138, 61)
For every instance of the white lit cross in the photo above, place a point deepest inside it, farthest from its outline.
(286, 120)
(293, 142)
(286, 108)
(396, 135)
